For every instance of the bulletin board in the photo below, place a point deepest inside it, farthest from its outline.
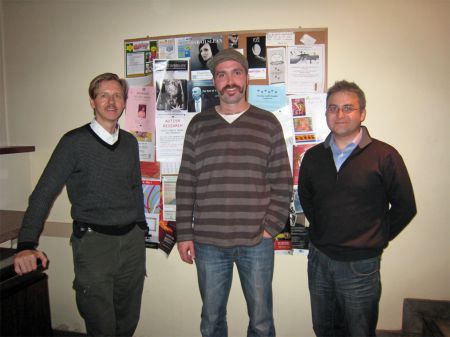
(319, 36)
(287, 76)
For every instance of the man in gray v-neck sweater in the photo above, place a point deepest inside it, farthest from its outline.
(99, 165)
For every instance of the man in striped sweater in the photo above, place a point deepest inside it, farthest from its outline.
(233, 193)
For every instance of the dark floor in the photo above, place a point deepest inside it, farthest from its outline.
(61, 333)
(388, 333)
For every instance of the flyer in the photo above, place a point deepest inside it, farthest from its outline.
(169, 199)
(151, 190)
(306, 68)
(140, 109)
(267, 97)
(256, 56)
(170, 80)
(138, 57)
(276, 65)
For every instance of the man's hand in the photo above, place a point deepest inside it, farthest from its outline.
(186, 250)
(267, 235)
(26, 261)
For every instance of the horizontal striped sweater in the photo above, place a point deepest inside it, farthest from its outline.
(234, 181)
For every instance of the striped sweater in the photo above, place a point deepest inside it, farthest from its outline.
(234, 181)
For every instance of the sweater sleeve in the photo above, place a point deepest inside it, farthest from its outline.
(279, 176)
(400, 194)
(185, 189)
(50, 184)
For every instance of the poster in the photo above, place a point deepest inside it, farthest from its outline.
(306, 68)
(139, 55)
(170, 80)
(170, 132)
(256, 56)
(308, 115)
(203, 48)
(276, 65)
(151, 190)
(267, 97)
(169, 199)
(201, 96)
(140, 109)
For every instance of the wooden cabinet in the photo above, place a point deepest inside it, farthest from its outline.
(25, 307)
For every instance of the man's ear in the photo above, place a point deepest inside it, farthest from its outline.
(363, 115)
(91, 101)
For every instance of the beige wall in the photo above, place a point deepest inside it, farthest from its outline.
(397, 50)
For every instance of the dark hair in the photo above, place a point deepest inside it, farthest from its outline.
(214, 50)
(350, 87)
(95, 83)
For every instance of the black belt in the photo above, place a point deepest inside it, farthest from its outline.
(81, 228)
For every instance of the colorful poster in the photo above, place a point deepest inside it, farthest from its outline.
(167, 49)
(299, 152)
(150, 170)
(139, 55)
(146, 143)
(151, 189)
(308, 113)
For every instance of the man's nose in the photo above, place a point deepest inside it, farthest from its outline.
(340, 113)
(230, 80)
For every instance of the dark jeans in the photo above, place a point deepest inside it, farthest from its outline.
(215, 274)
(109, 280)
(344, 295)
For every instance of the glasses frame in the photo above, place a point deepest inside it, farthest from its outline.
(346, 109)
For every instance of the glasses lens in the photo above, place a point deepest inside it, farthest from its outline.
(332, 108)
(347, 108)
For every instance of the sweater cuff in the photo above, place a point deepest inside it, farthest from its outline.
(142, 225)
(26, 246)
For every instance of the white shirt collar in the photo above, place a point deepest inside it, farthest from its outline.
(103, 134)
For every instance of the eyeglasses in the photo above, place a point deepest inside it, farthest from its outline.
(347, 109)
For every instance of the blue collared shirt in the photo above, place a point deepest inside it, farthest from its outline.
(340, 156)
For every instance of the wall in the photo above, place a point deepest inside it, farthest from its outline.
(397, 50)
(3, 129)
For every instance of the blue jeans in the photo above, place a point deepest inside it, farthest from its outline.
(344, 295)
(215, 274)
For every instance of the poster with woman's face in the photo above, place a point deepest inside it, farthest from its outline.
(203, 48)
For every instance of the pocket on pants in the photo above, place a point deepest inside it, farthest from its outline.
(82, 293)
(366, 267)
